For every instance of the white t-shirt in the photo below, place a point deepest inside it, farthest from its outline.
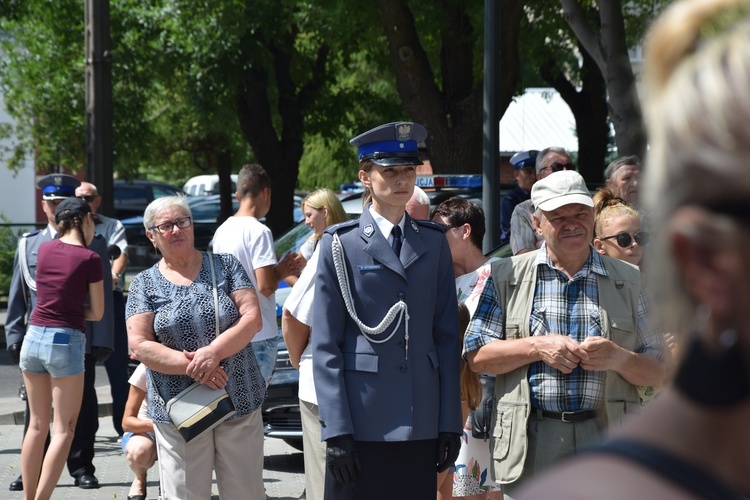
(469, 286)
(138, 379)
(252, 243)
(300, 305)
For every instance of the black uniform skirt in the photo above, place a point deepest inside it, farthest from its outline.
(390, 471)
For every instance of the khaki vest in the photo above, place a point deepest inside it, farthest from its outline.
(515, 282)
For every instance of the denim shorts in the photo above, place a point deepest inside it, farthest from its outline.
(265, 355)
(127, 435)
(54, 350)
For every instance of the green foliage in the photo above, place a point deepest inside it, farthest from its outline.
(8, 244)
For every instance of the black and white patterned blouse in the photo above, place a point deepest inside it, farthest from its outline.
(185, 320)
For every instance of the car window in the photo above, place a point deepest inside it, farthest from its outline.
(160, 191)
(135, 194)
(292, 239)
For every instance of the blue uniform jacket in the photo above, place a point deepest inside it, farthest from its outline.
(371, 390)
(22, 299)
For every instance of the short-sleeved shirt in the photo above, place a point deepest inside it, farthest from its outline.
(138, 379)
(184, 319)
(300, 305)
(251, 242)
(565, 306)
(114, 232)
(63, 275)
(523, 234)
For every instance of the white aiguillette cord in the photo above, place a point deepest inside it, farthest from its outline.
(399, 309)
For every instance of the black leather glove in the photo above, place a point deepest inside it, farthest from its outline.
(100, 354)
(342, 459)
(14, 351)
(448, 445)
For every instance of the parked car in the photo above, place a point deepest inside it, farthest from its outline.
(206, 185)
(131, 197)
(281, 414)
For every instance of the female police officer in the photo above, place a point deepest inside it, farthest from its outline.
(385, 335)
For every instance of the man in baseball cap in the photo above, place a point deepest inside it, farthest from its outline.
(573, 327)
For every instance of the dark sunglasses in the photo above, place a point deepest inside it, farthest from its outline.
(624, 239)
(557, 166)
(448, 226)
(88, 198)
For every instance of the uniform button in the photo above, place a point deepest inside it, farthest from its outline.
(401, 343)
(401, 295)
(402, 368)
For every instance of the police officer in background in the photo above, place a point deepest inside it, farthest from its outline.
(117, 364)
(385, 335)
(524, 172)
(99, 337)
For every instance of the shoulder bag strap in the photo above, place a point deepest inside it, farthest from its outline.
(216, 294)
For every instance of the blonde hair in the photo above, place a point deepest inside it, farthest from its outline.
(697, 65)
(607, 208)
(324, 197)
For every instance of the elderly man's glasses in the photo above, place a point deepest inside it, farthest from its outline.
(625, 239)
(557, 166)
(168, 227)
(88, 198)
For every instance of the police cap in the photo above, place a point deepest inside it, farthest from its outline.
(58, 186)
(524, 159)
(391, 144)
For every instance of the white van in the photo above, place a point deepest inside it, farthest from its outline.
(205, 185)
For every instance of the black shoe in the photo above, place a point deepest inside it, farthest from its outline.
(87, 482)
(16, 485)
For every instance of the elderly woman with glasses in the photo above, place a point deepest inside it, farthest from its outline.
(172, 329)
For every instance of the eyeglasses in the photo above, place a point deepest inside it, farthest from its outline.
(88, 198)
(168, 227)
(624, 239)
(557, 166)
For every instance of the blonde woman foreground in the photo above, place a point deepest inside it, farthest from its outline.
(693, 441)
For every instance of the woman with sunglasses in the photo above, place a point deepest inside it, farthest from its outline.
(618, 228)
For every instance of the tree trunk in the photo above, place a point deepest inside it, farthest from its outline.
(453, 114)
(609, 49)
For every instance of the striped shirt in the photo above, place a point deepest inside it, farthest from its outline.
(564, 306)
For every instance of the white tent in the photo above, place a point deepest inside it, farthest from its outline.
(535, 120)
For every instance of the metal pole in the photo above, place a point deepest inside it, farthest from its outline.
(491, 128)
(99, 158)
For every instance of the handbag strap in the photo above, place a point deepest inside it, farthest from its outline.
(216, 294)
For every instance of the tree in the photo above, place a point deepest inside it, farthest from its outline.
(607, 44)
(445, 95)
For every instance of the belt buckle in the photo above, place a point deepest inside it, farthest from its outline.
(564, 413)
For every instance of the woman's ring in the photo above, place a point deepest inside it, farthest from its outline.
(213, 379)
(200, 375)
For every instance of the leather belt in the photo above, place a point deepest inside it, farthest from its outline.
(566, 416)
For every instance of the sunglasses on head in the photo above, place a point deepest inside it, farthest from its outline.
(625, 239)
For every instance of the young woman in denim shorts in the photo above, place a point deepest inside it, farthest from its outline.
(54, 344)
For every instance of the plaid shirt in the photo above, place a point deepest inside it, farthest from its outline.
(566, 307)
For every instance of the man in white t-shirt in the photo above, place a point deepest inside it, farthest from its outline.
(248, 239)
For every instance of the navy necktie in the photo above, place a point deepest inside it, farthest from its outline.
(396, 244)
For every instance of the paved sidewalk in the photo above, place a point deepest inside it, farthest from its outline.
(283, 471)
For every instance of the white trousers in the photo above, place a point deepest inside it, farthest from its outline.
(233, 448)
(314, 451)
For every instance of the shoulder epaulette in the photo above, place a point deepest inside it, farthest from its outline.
(342, 225)
(430, 224)
(31, 233)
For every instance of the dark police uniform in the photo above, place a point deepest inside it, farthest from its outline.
(21, 302)
(397, 391)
